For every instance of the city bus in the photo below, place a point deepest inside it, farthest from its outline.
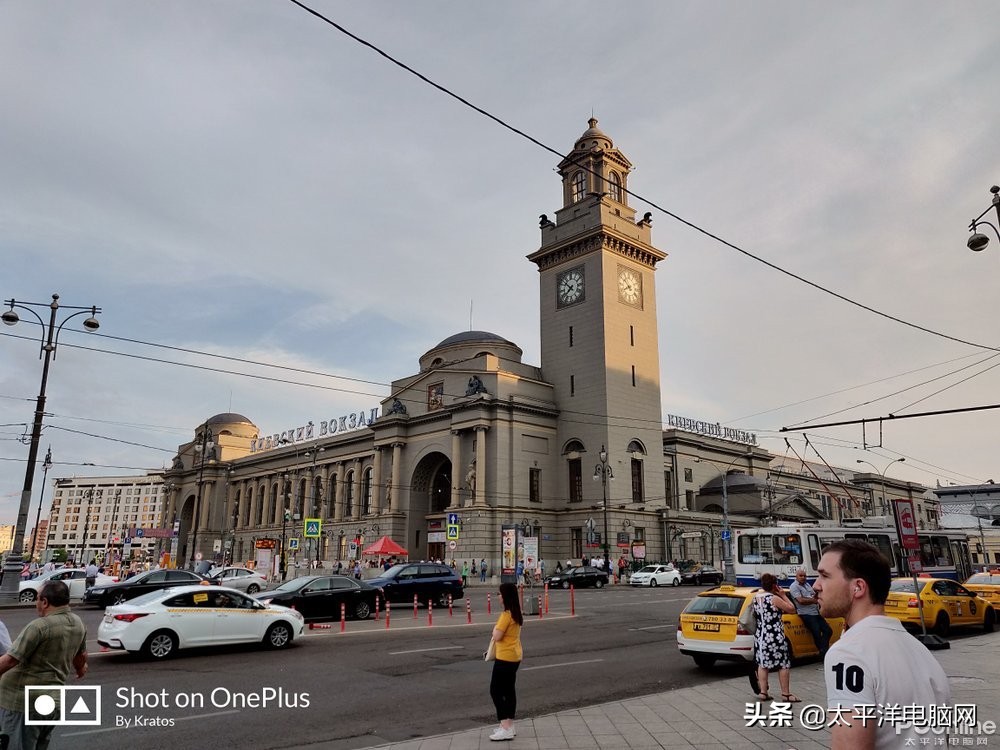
(783, 549)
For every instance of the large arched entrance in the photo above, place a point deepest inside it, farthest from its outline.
(184, 532)
(430, 494)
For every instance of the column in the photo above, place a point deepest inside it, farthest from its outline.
(397, 450)
(207, 492)
(338, 493)
(356, 506)
(377, 482)
(457, 470)
(481, 466)
(307, 501)
(325, 490)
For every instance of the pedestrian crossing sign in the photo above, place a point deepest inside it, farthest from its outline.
(313, 527)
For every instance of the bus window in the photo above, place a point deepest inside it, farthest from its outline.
(883, 543)
(814, 551)
(787, 549)
(942, 550)
(927, 558)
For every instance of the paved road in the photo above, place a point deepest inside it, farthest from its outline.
(370, 685)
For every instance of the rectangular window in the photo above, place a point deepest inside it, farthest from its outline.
(631, 335)
(637, 495)
(689, 499)
(576, 543)
(633, 376)
(572, 385)
(535, 485)
(575, 480)
(638, 534)
(571, 336)
(688, 475)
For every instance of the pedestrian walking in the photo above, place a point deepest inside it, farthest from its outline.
(770, 646)
(90, 575)
(503, 684)
(876, 662)
(42, 654)
(804, 598)
(465, 573)
(482, 570)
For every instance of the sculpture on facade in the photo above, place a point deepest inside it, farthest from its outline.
(475, 386)
(470, 477)
(398, 407)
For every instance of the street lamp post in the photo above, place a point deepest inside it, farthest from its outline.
(46, 465)
(978, 242)
(604, 472)
(285, 513)
(49, 341)
(205, 445)
(885, 505)
(727, 532)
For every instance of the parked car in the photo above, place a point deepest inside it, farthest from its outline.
(428, 581)
(151, 580)
(237, 577)
(159, 623)
(656, 575)
(320, 597)
(579, 577)
(946, 604)
(987, 585)
(709, 628)
(702, 574)
(75, 578)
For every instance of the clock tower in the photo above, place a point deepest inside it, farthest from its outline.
(599, 342)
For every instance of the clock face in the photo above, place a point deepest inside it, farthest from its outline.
(629, 286)
(569, 286)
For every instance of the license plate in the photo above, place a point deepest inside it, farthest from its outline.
(710, 627)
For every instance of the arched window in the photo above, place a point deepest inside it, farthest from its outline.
(236, 509)
(331, 496)
(349, 495)
(366, 492)
(272, 507)
(615, 186)
(579, 186)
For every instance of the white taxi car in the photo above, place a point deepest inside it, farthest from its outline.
(159, 623)
(75, 578)
(656, 575)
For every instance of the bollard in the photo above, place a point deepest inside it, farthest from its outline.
(468, 609)
(546, 598)
(489, 605)
(572, 602)
(376, 608)
(450, 613)
(388, 607)
(540, 610)
(430, 613)
(343, 617)
(414, 606)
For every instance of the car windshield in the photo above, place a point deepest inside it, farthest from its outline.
(985, 578)
(715, 605)
(148, 597)
(391, 572)
(293, 585)
(649, 569)
(903, 586)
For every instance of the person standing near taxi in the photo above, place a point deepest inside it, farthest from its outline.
(42, 654)
(876, 662)
(770, 645)
(807, 607)
(507, 637)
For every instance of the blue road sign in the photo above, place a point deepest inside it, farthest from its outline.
(452, 519)
(725, 535)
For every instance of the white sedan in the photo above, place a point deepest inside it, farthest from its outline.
(656, 575)
(161, 622)
(75, 578)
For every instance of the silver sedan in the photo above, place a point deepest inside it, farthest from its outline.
(236, 577)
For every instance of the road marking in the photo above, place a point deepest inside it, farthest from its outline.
(421, 650)
(656, 627)
(563, 664)
(174, 718)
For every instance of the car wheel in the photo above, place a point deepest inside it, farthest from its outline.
(942, 625)
(565, 584)
(119, 598)
(362, 611)
(599, 583)
(278, 635)
(704, 661)
(253, 588)
(652, 583)
(160, 645)
(676, 582)
(989, 620)
(27, 596)
(442, 600)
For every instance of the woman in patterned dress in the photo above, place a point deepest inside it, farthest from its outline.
(770, 646)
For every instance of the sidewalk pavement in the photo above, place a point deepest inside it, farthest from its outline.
(711, 716)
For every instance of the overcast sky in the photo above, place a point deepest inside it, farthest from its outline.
(243, 179)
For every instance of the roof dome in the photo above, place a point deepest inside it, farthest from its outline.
(468, 337)
(594, 135)
(227, 418)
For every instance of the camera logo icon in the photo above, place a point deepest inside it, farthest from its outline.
(61, 706)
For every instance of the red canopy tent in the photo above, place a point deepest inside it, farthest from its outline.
(384, 546)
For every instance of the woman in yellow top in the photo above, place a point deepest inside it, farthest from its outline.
(507, 636)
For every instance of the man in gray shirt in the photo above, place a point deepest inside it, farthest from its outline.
(806, 606)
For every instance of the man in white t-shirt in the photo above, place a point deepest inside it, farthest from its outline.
(876, 664)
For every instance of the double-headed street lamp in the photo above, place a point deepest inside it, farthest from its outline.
(49, 341)
(604, 472)
(978, 242)
(204, 447)
(885, 504)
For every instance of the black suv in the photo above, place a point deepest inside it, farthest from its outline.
(429, 581)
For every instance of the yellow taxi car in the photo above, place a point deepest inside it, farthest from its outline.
(987, 585)
(709, 628)
(946, 604)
